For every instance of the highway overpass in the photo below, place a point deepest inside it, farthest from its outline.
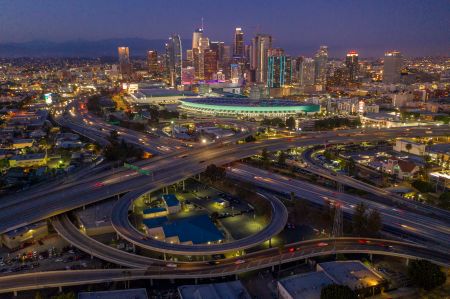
(254, 261)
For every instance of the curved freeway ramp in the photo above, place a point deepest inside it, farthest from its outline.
(254, 261)
(177, 168)
(126, 230)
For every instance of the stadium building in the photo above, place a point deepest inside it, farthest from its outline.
(243, 107)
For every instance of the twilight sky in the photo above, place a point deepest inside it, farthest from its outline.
(416, 27)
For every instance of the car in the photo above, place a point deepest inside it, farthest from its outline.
(171, 265)
(212, 263)
(238, 262)
(322, 244)
(99, 184)
(59, 260)
(292, 249)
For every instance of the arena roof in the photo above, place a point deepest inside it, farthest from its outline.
(237, 105)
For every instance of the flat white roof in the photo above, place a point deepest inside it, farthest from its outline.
(117, 294)
(306, 286)
(353, 274)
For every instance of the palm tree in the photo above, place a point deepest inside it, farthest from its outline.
(408, 147)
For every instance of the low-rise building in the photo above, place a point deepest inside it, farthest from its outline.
(190, 230)
(29, 160)
(223, 290)
(171, 203)
(401, 168)
(303, 286)
(116, 294)
(13, 239)
(22, 143)
(401, 145)
(354, 274)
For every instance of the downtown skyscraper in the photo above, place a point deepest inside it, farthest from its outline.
(124, 62)
(238, 43)
(261, 43)
(174, 59)
(393, 62)
(352, 65)
(320, 65)
(276, 68)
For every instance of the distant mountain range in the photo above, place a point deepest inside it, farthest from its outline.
(81, 48)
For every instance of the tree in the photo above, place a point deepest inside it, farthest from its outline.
(282, 158)
(374, 222)
(336, 291)
(408, 147)
(292, 196)
(265, 157)
(70, 295)
(214, 173)
(359, 219)
(113, 135)
(422, 186)
(301, 209)
(38, 295)
(444, 200)
(290, 123)
(425, 274)
(250, 138)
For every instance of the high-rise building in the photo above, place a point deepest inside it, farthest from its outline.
(320, 61)
(189, 55)
(210, 63)
(199, 64)
(152, 62)
(290, 72)
(393, 62)
(261, 43)
(196, 36)
(235, 71)
(218, 47)
(351, 62)
(203, 43)
(124, 62)
(238, 46)
(174, 59)
(276, 68)
(305, 71)
(188, 75)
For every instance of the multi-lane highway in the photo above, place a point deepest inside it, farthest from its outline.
(357, 184)
(168, 171)
(253, 261)
(407, 222)
(46, 203)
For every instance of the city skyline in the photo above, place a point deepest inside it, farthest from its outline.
(412, 27)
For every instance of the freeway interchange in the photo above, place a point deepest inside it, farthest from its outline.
(20, 210)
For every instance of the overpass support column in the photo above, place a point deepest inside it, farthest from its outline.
(273, 268)
(60, 289)
(196, 281)
(15, 293)
(184, 185)
(370, 256)
(151, 281)
(407, 262)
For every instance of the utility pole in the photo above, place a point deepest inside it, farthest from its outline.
(338, 225)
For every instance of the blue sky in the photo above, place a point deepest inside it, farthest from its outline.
(416, 27)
